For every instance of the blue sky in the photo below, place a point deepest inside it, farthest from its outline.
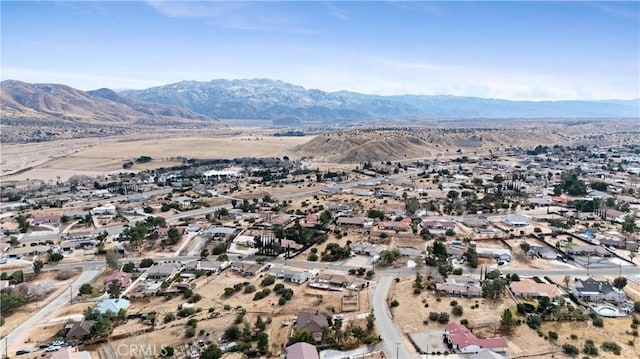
(511, 50)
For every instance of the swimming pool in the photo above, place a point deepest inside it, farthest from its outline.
(607, 311)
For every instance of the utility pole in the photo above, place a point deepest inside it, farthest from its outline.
(397, 349)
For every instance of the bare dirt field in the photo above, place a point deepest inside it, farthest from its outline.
(93, 156)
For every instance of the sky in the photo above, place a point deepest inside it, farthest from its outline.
(511, 50)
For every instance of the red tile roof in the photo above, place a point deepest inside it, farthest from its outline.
(459, 335)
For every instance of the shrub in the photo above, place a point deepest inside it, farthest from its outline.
(553, 335)
(443, 318)
(453, 303)
(610, 346)
(394, 303)
(249, 289)
(598, 322)
(433, 316)
(169, 317)
(573, 337)
(268, 280)
(457, 310)
(464, 322)
(259, 295)
(190, 332)
(590, 348)
(570, 349)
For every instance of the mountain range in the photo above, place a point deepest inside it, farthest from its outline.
(23, 102)
(197, 102)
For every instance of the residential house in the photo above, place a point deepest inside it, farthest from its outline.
(312, 219)
(208, 266)
(247, 269)
(70, 353)
(293, 276)
(463, 341)
(315, 323)
(365, 249)
(350, 221)
(301, 350)
(542, 251)
(592, 290)
(497, 253)
(530, 289)
(19, 252)
(460, 285)
(330, 281)
(438, 225)
(40, 218)
(111, 305)
(121, 277)
(611, 214)
(588, 250)
(80, 330)
(163, 271)
(218, 232)
(403, 226)
(104, 210)
(516, 220)
(620, 243)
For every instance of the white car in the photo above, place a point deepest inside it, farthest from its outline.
(52, 348)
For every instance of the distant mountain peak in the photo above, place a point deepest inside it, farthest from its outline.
(261, 98)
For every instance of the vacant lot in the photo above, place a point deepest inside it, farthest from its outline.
(92, 156)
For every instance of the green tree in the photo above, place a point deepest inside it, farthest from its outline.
(23, 223)
(102, 327)
(211, 352)
(472, 257)
(115, 289)
(620, 282)
(18, 276)
(262, 342)
(302, 336)
(326, 217)
(260, 324)
(86, 288)
(629, 225)
(129, 267)
(112, 258)
(493, 288)
(506, 320)
(37, 266)
(232, 333)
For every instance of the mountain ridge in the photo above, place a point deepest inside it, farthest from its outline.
(276, 100)
(202, 103)
(26, 102)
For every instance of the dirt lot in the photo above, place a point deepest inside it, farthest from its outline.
(212, 288)
(614, 330)
(93, 156)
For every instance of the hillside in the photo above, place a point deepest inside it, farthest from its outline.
(24, 104)
(277, 100)
(358, 146)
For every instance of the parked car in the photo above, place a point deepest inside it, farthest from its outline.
(52, 348)
(23, 351)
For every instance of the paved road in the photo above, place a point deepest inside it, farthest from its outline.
(14, 339)
(392, 341)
